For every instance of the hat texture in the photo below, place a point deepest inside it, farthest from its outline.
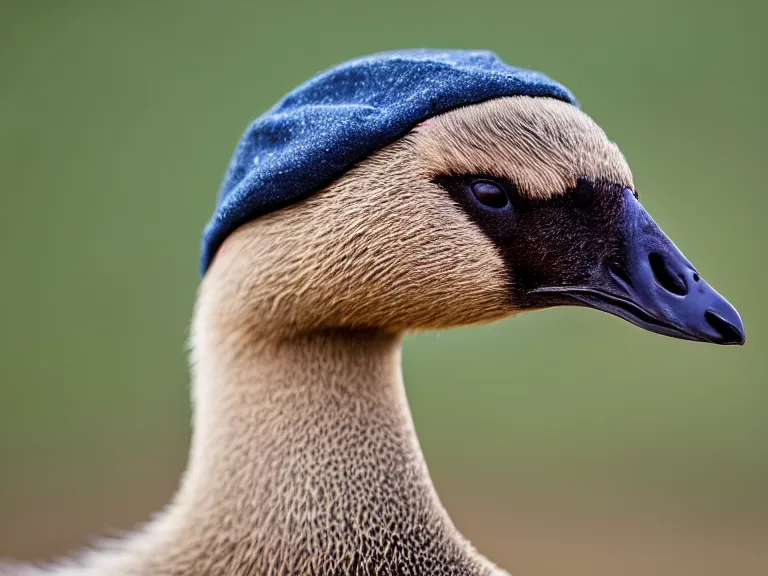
(327, 124)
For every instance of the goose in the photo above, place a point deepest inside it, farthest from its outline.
(399, 192)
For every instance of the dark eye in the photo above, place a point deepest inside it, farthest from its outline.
(583, 195)
(489, 194)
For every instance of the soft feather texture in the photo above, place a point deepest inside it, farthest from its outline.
(540, 144)
(304, 458)
(326, 125)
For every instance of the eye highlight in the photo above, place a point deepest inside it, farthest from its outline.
(489, 194)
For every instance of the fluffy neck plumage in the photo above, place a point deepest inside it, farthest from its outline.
(304, 460)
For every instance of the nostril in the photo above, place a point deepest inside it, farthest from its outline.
(729, 333)
(669, 281)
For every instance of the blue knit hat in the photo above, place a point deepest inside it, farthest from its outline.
(326, 125)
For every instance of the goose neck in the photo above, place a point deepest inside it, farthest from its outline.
(305, 447)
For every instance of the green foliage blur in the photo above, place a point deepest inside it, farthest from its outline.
(562, 442)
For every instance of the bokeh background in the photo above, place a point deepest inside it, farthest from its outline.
(563, 442)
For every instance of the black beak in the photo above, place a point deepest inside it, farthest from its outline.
(657, 288)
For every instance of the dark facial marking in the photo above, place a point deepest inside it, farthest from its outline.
(596, 246)
(561, 241)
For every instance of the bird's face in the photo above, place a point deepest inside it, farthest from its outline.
(509, 205)
(562, 210)
(595, 246)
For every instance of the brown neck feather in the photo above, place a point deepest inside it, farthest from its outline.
(304, 460)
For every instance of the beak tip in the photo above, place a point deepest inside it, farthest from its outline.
(728, 327)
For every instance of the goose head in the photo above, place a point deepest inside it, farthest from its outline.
(485, 211)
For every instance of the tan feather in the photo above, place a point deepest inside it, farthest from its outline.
(304, 458)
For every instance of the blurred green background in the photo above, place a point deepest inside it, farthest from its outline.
(567, 442)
